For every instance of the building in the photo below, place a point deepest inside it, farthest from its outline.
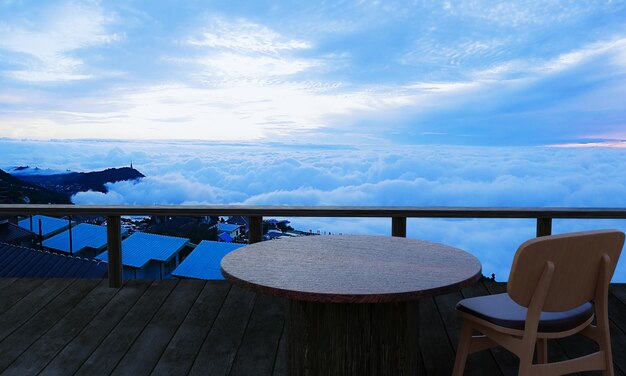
(24, 262)
(150, 256)
(204, 261)
(234, 231)
(87, 240)
(50, 226)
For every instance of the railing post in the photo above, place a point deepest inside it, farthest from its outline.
(69, 229)
(255, 233)
(544, 226)
(40, 236)
(398, 226)
(114, 249)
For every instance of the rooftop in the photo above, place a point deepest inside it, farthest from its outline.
(227, 227)
(83, 235)
(81, 326)
(141, 247)
(18, 261)
(204, 261)
(49, 225)
(10, 232)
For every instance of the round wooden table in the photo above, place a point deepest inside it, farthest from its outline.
(353, 299)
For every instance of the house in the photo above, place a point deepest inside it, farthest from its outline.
(234, 231)
(87, 240)
(50, 226)
(151, 256)
(24, 262)
(204, 261)
(240, 220)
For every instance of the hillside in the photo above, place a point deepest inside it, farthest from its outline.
(74, 182)
(16, 191)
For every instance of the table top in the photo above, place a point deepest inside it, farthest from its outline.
(351, 268)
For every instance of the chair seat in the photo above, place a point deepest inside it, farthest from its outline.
(501, 310)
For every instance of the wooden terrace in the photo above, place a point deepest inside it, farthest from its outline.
(188, 327)
(193, 327)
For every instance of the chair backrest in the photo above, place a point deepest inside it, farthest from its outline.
(576, 257)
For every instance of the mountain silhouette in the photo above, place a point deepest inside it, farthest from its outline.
(73, 182)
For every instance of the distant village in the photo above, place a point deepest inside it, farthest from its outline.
(157, 247)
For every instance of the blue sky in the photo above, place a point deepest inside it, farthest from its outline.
(392, 72)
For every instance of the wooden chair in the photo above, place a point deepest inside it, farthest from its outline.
(552, 284)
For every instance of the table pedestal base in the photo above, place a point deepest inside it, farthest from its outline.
(353, 339)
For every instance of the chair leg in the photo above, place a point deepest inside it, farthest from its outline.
(462, 350)
(542, 350)
(526, 356)
(605, 346)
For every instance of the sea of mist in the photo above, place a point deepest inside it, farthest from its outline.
(188, 173)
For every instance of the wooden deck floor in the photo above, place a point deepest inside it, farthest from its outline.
(82, 327)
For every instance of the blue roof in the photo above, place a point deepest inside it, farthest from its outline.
(225, 237)
(141, 247)
(204, 261)
(83, 235)
(227, 227)
(49, 225)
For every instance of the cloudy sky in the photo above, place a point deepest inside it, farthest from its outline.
(417, 72)
(442, 103)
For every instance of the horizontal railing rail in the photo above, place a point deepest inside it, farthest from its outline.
(398, 215)
(317, 211)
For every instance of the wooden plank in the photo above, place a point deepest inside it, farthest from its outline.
(46, 347)
(258, 349)
(180, 353)
(220, 347)
(13, 345)
(113, 348)
(5, 282)
(11, 293)
(618, 290)
(480, 363)
(617, 320)
(144, 354)
(80, 348)
(618, 348)
(29, 305)
(280, 360)
(437, 352)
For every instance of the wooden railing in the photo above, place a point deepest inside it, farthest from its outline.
(398, 215)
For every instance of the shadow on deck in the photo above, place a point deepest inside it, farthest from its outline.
(81, 326)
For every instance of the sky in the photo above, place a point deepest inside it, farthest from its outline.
(420, 103)
(394, 72)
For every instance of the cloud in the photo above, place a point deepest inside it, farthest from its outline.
(45, 48)
(186, 173)
(245, 36)
(168, 189)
